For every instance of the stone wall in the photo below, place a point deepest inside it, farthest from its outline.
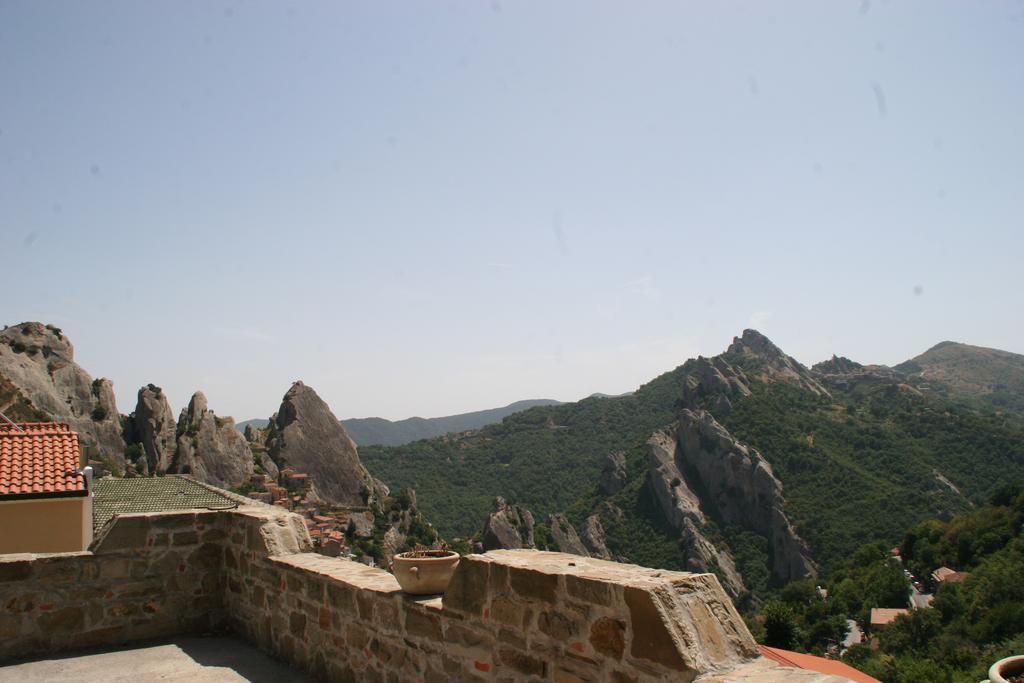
(150, 576)
(508, 615)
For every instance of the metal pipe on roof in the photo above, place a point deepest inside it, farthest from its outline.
(11, 422)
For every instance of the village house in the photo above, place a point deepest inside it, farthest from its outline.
(947, 575)
(45, 497)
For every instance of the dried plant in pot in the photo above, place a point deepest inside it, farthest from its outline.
(424, 571)
(1009, 670)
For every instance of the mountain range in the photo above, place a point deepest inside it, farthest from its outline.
(371, 431)
(747, 464)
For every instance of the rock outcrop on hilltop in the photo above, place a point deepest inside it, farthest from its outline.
(154, 428)
(836, 365)
(767, 362)
(841, 372)
(39, 371)
(306, 436)
(210, 448)
(509, 527)
(736, 485)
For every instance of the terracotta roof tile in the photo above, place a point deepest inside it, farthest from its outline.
(880, 616)
(831, 667)
(42, 459)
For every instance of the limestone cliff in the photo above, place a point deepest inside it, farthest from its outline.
(153, 427)
(306, 436)
(210, 448)
(736, 487)
(40, 375)
(682, 509)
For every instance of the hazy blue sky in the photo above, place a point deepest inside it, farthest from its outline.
(432, 207)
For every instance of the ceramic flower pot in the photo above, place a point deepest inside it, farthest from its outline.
(424, 573)
(1007, 670)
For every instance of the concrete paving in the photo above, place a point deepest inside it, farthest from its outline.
(197, 659)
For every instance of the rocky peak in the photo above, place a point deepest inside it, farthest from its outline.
(38, 370)
(254, 434)
(306, 436)
(36, 339)
(210, 448)
(759, 355)
(197, 408)
(154, 428)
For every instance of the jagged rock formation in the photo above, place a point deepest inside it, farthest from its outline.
(153, 427)
(210, 448)
(509, 527)
(40, 377)
(592, 535)
(565, 536)
(682, 509)
(767, 361)
(614, 475)
(305, 435)
(255, 435)
(716, 378)
(736, 485)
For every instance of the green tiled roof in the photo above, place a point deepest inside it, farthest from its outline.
(156, 494)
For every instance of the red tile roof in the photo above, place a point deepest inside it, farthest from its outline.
(880, 616)
(811, 663)
(40, 461)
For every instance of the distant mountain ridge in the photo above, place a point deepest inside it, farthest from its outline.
(747, 464)
(376, 431)
(991, 377)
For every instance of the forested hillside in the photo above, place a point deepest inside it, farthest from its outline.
(545, 458)
(866, 459)
(970, 624)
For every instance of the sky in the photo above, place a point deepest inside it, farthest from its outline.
(425, 208)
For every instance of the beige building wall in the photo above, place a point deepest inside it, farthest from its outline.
(45, 525)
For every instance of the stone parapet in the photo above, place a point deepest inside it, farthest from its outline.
(507, 616)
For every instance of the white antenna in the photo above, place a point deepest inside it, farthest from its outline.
(11, 422)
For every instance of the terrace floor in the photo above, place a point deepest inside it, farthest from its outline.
(188, 658)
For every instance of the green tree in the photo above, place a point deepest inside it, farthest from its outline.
(780, 628)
